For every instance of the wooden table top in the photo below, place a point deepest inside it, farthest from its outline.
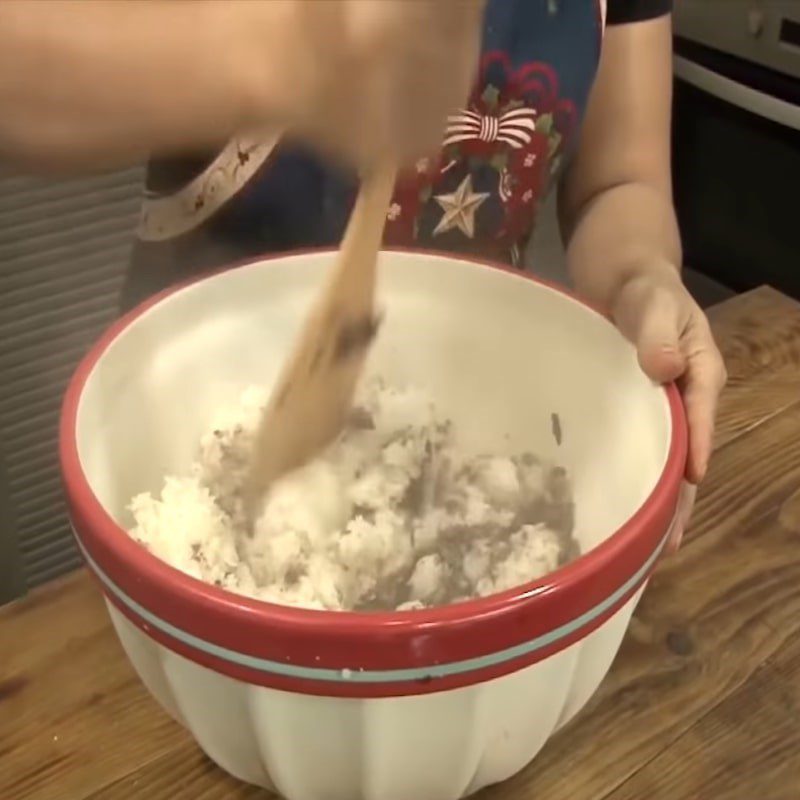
(703, 702)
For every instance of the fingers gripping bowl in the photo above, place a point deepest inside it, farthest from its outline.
(435, 703)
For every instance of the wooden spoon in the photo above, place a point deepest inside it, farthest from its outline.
(314, 393)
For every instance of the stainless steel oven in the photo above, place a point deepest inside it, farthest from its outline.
(737, 140)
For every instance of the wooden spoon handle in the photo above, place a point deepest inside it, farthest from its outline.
(313, 396)
(364, 234)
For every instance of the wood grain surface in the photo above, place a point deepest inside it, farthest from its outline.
(703, 702)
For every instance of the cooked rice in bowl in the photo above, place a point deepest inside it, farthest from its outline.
(394, 515)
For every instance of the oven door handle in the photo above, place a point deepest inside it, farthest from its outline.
(758, 103)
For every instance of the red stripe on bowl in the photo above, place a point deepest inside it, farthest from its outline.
(356, 689)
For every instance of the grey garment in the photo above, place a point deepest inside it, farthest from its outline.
(12, 575)
(64, 249)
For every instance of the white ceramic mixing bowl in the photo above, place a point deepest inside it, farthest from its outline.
(430, 705)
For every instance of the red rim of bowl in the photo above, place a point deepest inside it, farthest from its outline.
(342, 625)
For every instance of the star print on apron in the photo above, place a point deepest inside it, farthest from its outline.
(498, 157)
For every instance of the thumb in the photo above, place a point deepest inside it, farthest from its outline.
(658, 345)
(653, 324)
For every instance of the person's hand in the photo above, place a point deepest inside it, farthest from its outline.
(655, 311)
(364, 79)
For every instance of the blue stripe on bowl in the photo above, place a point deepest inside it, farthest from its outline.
(358, 675)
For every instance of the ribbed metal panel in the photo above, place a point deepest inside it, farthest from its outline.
(64, 246)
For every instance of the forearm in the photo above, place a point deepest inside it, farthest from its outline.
(622, 230)
(111, 81)
(615, 200)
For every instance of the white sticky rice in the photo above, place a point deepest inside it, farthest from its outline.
(392, 516)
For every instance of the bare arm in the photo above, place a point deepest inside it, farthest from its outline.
(110, 81)
(615, 203)
(103, 82)
(617, 216)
